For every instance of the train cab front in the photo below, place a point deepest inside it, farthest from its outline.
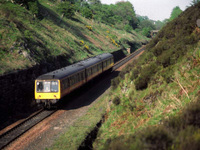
(47, 92)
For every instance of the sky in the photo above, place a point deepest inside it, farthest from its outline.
(154, 9)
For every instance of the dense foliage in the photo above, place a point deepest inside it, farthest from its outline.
(120, 15)
(66, 8)
(175, 12)
(156, 98)
(59, 29)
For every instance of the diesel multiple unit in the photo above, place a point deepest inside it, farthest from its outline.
(51, 87)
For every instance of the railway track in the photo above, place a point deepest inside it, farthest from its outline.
(9, 136)
(12, 134)
(126, 59)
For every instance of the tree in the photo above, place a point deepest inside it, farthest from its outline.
(194, 2)
(159, 24)
(66, 9)
(86, 12)
(94, 2)
(126, 11)
(31, 5)
(175, 13)
(146, 31)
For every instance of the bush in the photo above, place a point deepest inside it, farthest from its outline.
(128, 28)
(134, 74)
(145, 76)
(87, 13)
(33, 7)
(67, 9)
(115, 82)
(157, 138)
(146, 31)
(167, 74)
(116, 100)
(164, 58)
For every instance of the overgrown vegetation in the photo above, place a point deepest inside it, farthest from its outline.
(156, 98)
(34, 32)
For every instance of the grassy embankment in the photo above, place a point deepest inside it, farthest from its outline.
(155, 100)
(27, 40)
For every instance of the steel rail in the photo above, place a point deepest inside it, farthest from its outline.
(12, 134)
(126, 59)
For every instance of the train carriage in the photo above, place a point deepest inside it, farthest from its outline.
(51, 87)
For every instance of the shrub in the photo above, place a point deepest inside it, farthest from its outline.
(128, 28)
(164, 58)
(167, 74)
(157, 138)
(145, 76)
(115, 82)
(116, 100)
(87, 13)
(33, 6)
(134, 74)
(146, 31)
(67, 9)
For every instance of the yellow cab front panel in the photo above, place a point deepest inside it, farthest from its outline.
(47, 94)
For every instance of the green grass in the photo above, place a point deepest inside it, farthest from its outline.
(51, 36)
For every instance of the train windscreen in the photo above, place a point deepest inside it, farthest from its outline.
(47, 86)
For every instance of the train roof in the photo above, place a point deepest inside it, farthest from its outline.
(90, 62)
(105, 56)
(63, 72)
(94, 60)
(78, 67)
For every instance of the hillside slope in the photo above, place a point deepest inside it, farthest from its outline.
(27, 41)
(155, 100)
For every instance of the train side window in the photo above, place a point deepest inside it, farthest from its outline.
(104, 64)
(83, 75)
(92, 70)
(78, 77)
(89, 71)
(63, 86)
(71, 81)
(75, 78)
(100, 66)
(66, 83)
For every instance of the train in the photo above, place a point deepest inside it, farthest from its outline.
(52, 86)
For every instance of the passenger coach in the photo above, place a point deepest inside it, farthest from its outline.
(51, 87)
